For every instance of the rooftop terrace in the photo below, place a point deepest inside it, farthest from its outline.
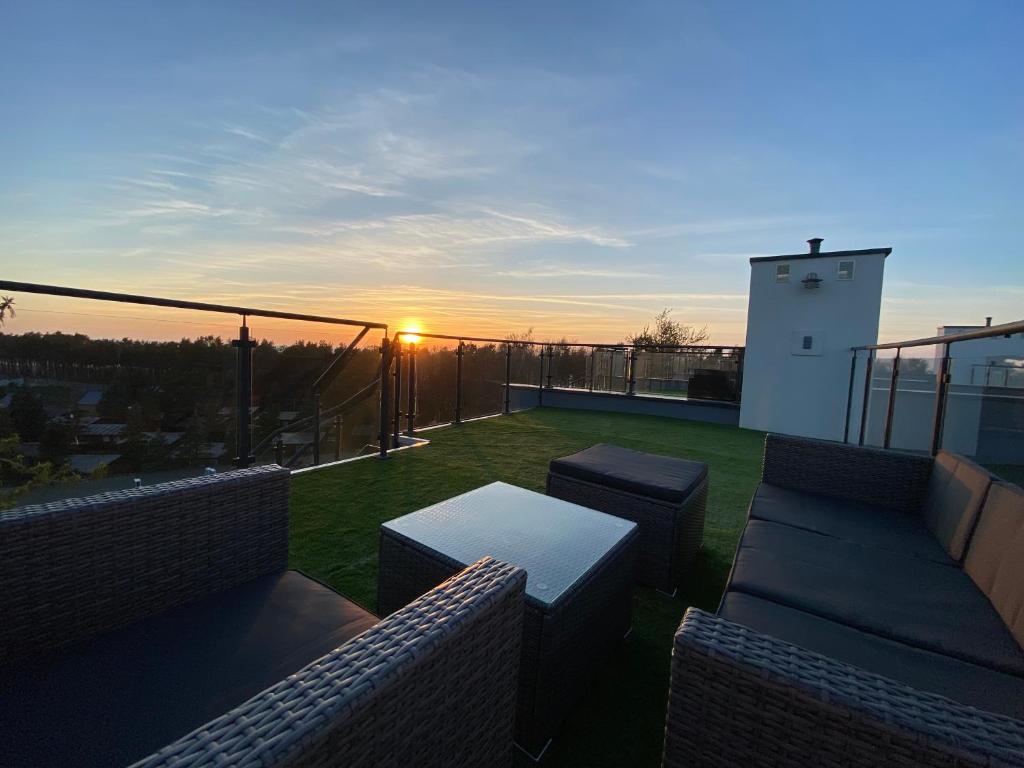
(336, 515)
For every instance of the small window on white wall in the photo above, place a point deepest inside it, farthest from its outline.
(846, 270)
(782, 273)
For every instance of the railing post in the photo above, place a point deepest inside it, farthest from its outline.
(508, 378)
(551, 362)
(316, 428)
(458, 382)
(593, 369)
(279, 451)
(941, 392)
(385, 396)
(849, 397)
(632, 371)
(867, 395)
(410, 408)
(893, 380)
(397, 426)
(243, 385)
(540, 381)
(337, 437)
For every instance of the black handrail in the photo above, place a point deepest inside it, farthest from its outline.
(154, 301)
(403, 336)
(985, 332)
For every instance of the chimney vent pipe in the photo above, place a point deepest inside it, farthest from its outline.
(815, 243)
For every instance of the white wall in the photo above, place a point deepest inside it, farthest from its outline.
(785, 389)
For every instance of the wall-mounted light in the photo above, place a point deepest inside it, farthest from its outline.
(812, 280)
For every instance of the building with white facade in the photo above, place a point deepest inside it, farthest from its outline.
(993, 362)
(805, 311)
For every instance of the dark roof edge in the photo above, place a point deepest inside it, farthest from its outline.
(822, 255)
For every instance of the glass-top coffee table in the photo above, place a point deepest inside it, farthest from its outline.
(579, 565)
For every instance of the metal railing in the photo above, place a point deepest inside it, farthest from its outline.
(937, 367)
(696, 371)
(721, 368)
(244, 344)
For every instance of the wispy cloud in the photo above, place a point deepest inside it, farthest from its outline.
(176, 208)
(245, 133)
(716, 226)
(561, 270)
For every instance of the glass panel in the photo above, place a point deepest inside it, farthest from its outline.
(85, 408)
(610, 370)
(288, 358)
(878, 397)
(705, 374)
(435, 383)
(914, 409)
(556, 542)
(483, 380)
(525, 365)
(570, 367)
(984, 415)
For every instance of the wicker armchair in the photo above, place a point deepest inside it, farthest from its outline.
(433, 684)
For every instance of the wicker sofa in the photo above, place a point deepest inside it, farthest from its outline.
(874, 616)
(159, 626)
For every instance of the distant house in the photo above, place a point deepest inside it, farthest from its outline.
(213, 451)
(296, 438)
(168, 438)
(89, 402)
(56, 412)
(86, 464)
(227, 411)
(101, 434)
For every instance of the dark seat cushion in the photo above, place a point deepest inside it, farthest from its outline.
(645, 474)
(956, 490)
(969, 684)
(913, 601)
(853, 521)
(121, 696)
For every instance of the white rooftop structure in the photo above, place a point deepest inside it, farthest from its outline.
(805, 311)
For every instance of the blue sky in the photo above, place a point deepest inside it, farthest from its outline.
(490, 167)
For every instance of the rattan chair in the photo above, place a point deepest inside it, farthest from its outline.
(433, 684)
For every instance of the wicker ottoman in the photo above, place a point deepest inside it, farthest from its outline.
(666, 497)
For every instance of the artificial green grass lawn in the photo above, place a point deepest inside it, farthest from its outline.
(336, 515)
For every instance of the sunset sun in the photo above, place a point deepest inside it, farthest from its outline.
(410, 333)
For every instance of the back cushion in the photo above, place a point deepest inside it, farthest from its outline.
(995, 559)
(956, 490)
